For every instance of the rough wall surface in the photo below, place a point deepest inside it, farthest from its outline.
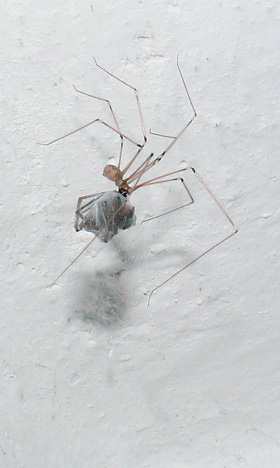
(91, 377)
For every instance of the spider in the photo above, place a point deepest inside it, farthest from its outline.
(105, 214)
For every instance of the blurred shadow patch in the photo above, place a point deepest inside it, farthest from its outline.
(100, 298)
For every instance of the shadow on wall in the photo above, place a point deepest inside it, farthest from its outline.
(101, 299)
(101, 295)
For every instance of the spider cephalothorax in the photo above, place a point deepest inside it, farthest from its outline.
(114, 174)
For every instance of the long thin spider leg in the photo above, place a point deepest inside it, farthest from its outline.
(132, 160)
(208, 250)
(136, 94)
(141, 172)
(120, 154)
(160, 134)
(171, 144)
(144, 169)
(140, 116)
(114, 117)
(148, 182)
(148, 166)
(174, 209)
(140, 175)
(215, 199)
(175, 139)
(157, 180)
(189, 264)
(100, 99)
(87, 125)
(135, 174)
(88, 244)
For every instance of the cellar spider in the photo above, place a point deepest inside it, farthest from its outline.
(106, 213)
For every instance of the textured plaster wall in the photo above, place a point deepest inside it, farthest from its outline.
(91, 377)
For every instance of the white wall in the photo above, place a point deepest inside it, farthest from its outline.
(90, 375)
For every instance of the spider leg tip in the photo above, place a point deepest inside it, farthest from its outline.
(150, 296)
